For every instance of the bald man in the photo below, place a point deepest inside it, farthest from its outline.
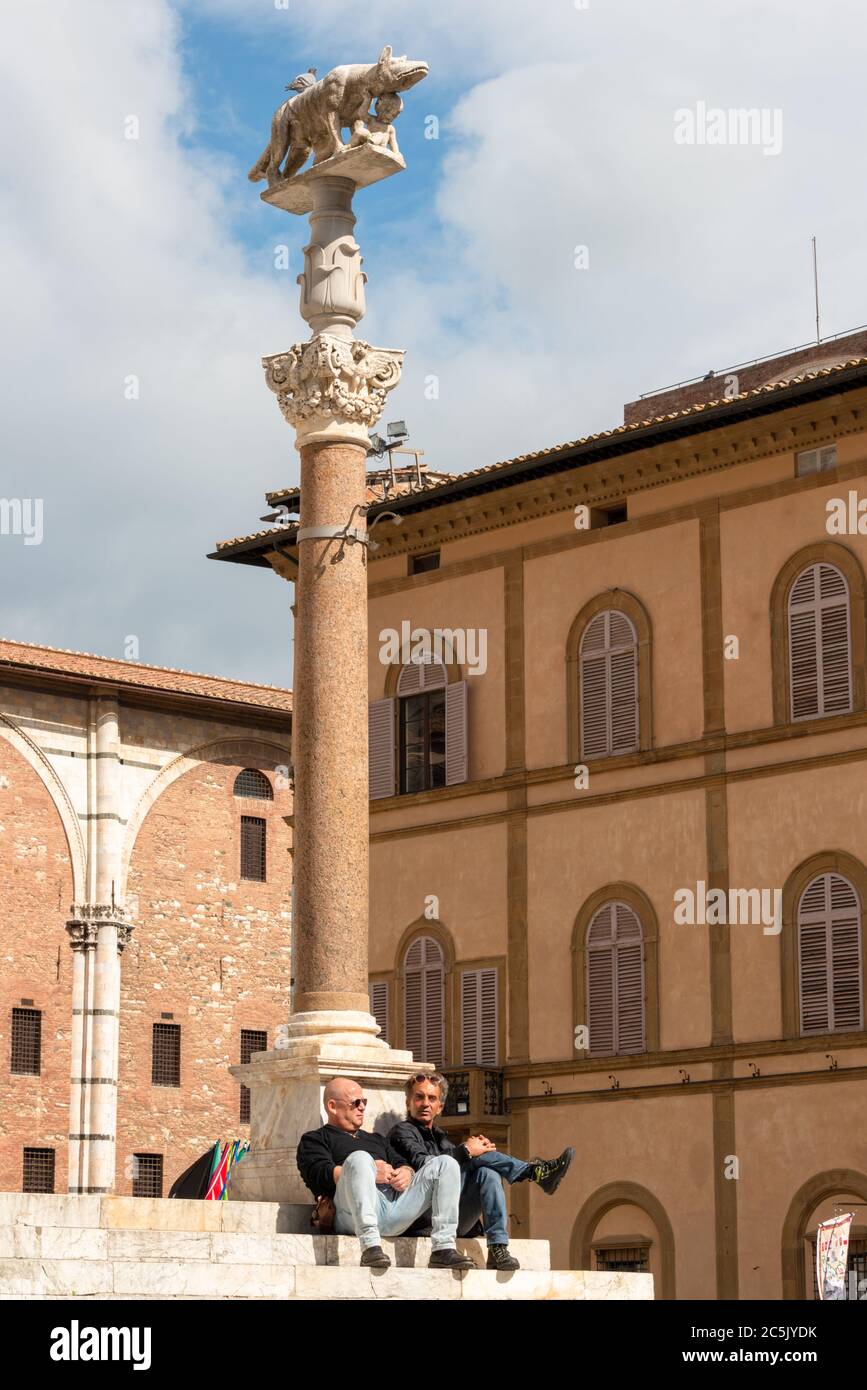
(376, 1195)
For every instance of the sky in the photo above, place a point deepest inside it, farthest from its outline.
(558, 249)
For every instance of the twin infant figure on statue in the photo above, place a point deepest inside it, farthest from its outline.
(414, 1181)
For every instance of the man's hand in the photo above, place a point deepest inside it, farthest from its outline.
(384, 1173)
(401, 1178)
(477, 1145)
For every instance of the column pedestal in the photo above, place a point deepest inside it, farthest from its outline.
(286, 1086)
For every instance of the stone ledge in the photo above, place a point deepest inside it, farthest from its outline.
(122, 1279)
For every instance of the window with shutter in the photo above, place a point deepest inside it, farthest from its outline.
(820, 660)
(829, 956)
(378, 991)
(608, 673)
(380, 740)
(431, 727)
(479, 1017)
(424, 1001)
(615, 981)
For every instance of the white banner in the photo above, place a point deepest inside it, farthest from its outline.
(832, 1250)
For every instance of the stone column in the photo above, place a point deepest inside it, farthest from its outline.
(332, 389)
(330, 742)
(98, 933)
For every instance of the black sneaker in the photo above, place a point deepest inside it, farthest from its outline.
(548, 1173)
(450, 1259)
(374, 1257)
(499, 1258)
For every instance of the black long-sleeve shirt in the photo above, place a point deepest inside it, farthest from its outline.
(415, 1144)
(320, 1151)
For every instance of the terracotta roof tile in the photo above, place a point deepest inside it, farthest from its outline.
(552, 450)
(28, 656)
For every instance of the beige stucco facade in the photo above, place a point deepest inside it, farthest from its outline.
(722, 790)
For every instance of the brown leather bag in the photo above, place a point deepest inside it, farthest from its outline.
(322, 1215)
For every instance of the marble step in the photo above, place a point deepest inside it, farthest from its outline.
(30, 1241)
(191, 1279)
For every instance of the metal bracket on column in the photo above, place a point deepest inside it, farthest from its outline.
(341, 533)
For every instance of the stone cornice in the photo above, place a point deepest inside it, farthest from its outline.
(613, 479)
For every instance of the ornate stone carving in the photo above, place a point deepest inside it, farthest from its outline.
(86, 920)
(333, 388)
(82, 935)
(312, 121)
(332, 286)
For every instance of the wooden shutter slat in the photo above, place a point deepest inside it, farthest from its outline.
(381, 759)
(470, 1042)
(456, 733)
(615, 981)
(378, 991)
(820, 648)
(608, 673)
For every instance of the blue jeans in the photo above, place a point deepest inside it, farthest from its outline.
(362, 1209)
(482, 1194)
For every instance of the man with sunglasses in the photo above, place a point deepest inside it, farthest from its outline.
(376, 1195)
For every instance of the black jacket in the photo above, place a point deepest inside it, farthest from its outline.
(416, 1144)
(320, 1151)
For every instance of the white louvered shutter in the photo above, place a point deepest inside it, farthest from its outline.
(378, 991)
(380, 737)
(820, 661)
(829, 956)
(456, 733)
(609, 686)
(424, 1001)
(479, 1017)
(615, 981)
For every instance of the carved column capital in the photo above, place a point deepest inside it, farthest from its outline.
(332, 389)
(86, 920)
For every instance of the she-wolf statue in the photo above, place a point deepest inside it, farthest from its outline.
(314, 119)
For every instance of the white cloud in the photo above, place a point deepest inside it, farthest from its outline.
(118, 257)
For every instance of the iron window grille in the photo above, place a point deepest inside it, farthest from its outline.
(253, 784)
(38, 1173)
(252, 1040)
(26, 1042)
(253, 848)
(166, 1061)
(147, 1175)
(632, 1259)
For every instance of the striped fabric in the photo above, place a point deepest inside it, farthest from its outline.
(226, 1155)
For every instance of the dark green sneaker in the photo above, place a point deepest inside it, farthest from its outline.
(548, 1173)
(499, 1258)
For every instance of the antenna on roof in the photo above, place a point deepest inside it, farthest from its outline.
(816, 288)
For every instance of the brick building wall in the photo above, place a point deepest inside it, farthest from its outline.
(750, 377)
(198, 941)
(35, 893)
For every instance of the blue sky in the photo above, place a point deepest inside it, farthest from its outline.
(154, 259)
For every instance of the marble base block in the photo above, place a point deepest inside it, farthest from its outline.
(286, 1087)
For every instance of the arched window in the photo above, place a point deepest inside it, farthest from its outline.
(424, 1001)
(608, 674)
(421, 706)
(425, 726)
(829, 956)
(615, 981)
(254, 785)
(820, 657)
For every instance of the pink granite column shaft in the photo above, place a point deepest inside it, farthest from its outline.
(330, 738)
